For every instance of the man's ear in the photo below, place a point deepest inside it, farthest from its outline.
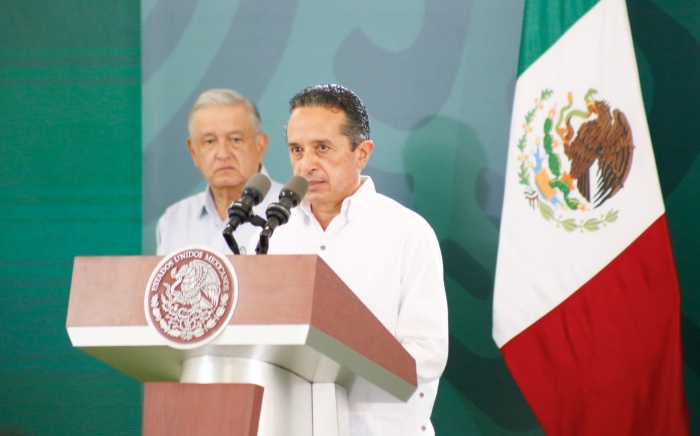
(364, 150)
(191, 148)
(261, 143)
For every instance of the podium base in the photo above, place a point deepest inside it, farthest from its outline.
(184, 409)
(286, 405)
(291, 405)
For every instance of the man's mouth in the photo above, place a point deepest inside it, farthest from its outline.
(225, 169)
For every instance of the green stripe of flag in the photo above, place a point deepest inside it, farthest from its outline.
(544, 22)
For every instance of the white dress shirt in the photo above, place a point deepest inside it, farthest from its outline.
(195, 221)
(390, 258)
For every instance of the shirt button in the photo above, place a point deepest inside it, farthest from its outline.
(323, 247)
(422, 427)
(421, 395)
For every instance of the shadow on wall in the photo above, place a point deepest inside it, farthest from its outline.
(428, 68)
(454, 189)
(669, 72)
(673, 56)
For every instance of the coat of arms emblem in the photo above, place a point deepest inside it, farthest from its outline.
(572, 160)
(191, 296)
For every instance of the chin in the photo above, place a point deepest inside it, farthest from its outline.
(310, 197)
(227, 183)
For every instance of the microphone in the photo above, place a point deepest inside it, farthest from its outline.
(241, 211)
(278, 213)
(290, 196)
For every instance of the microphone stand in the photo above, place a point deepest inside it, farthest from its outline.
(278, 213)
(264, 242)
(228, 233)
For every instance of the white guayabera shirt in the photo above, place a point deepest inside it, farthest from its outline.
(390, 258)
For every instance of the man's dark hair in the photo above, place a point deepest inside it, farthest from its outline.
(356, 125)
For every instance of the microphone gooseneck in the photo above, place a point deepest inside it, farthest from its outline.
(241, 211)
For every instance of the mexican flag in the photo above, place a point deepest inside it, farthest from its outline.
(586, 302)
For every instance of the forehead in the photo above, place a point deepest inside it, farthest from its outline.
(315, 119)
(221, 118)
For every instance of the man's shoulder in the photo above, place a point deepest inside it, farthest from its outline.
(407, 224)
(188, 205)
(390, 207)
(276, 186)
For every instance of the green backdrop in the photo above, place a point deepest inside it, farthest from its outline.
(437, 78)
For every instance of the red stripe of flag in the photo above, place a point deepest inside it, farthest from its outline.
(608, 359)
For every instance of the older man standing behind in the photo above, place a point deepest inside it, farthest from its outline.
(227, 145)
(387, 254)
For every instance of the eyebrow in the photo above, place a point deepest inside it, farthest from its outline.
(314, 142)
(232, 132)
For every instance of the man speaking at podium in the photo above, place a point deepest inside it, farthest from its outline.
(385, 253)
(227, 145)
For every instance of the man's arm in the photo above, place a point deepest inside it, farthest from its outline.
(160, 236)
(422, 325)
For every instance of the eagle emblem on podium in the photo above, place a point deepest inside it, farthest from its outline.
(191, 296)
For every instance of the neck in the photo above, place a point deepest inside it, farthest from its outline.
(223, 197)
(325, 214)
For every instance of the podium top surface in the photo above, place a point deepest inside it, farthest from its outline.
(293, 311)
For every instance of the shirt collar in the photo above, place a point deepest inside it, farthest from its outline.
(208, 205)
(352, 206)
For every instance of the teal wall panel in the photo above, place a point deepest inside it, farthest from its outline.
(70, 184)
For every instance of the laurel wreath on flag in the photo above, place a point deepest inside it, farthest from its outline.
(531, 194)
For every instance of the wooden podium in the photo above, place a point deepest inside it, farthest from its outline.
(297, 341)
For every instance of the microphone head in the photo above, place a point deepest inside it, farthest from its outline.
(295, 189)
(257, 187)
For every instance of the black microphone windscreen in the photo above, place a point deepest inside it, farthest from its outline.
(260, 183)
(298, 185)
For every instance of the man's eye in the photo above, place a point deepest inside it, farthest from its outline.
(323, 147)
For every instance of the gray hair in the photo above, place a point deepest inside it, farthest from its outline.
(225, 97)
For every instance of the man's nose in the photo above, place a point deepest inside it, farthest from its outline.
(308, 163)
(223, 150)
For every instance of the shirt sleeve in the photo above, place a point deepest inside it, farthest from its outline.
(161, 236)
(422, 326)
